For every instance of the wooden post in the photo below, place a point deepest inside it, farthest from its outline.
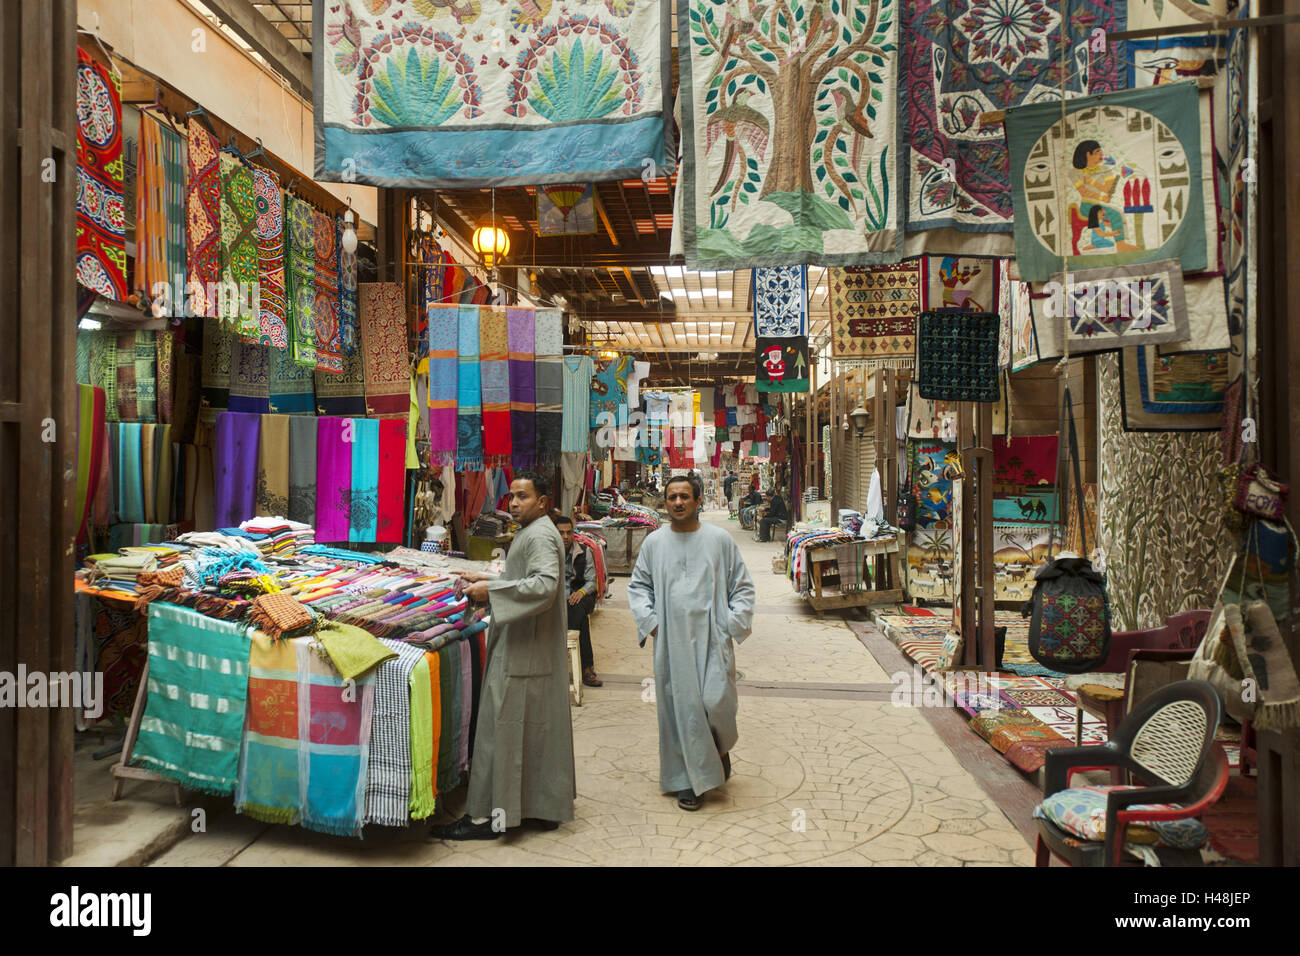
(983, 527)
(967, 613)
(832, 463)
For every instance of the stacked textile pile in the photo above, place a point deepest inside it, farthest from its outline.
(491, 524)
(283, 536)
(797, 546)
(630, 515)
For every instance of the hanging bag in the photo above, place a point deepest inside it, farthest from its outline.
(1069, 627)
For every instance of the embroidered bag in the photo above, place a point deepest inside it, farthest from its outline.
(1069, 630)
(1261, 493)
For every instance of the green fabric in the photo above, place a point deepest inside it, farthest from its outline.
(449, 738)
(422, 798)
(198, 687)
(352, 650)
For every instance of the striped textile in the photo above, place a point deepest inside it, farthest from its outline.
(523, 387)
(548, 344)
(443, 321)
(334, 744)
(193, 719)
(150, 208)
(494, 363)
(268, 784)
(388, 777)
(469, 401)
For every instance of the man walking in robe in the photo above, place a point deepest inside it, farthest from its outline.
(523, 743)
(691, 591)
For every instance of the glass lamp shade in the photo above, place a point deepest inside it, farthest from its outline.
(492, 243)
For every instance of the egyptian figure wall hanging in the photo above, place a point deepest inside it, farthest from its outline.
(1117, 181)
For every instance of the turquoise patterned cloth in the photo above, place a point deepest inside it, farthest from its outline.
(198, 686)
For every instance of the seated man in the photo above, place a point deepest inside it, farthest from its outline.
(580, 588)
(776, 514)
(749, 507)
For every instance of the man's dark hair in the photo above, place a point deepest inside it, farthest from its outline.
(697, 488)
(563, 519)
(541, 484)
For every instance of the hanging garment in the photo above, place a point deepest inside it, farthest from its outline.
(520, 331)
(101, 218)
(640, 371)
(203, 225)
(234, 458)
(342, 395)
(578, 372)
(302, 470)
(164, 356)
(250, 378)
(91, 438)
(292, 388)
(270, 259)
(325, 305)
(273, 467)
(391, 480)
(609, 388)
(150, 208)
(469, 411)
(494, 366)
(548, 344)
(363, 512)
(333, 478)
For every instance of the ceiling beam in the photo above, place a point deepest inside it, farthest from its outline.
(259, 33)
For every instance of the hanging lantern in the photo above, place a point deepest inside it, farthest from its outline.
(492, 243)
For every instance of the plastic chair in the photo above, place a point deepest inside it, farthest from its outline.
(1167, 744)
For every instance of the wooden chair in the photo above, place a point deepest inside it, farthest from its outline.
(575, 668)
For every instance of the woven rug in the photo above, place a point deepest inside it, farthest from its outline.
(325, 308)
(268, 782)
(469, 409)
(388, 776)
(239, 249)
(442, 383)
(957, 356)
(520, 338)
(272, 304)
(873, 313)
(203, 228)
(198, 684)
(101, 228)
(300, 275)
(494, 350)
(334, 741)
(383, 343)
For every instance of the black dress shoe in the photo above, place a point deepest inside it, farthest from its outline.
(542, 824)
(464, 829)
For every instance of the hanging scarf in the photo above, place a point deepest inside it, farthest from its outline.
(101, 218)
(164, 356)
(523, 390)
(203, 233)
(148, 471)
(494, 351)
(302, 470)
(273, 467)
(135, 377)
(174, 207)
(325, 309)
(363, 514)
(300, 228)
(250, 378)
(163, 474)
(90, 449)
(238, 249)
(333, 478)
(548, 344)
(270, 259)
(342, 394)
(217, 352)
(383, 344)
(442, 383)
(234, 461)
(292, 387)
(349, 333)
(150, 208)
(469, 411)
(127, 478)
(392, 480)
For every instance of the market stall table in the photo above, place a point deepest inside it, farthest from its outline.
(888, 571)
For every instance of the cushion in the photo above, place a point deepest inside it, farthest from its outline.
(1081, 812)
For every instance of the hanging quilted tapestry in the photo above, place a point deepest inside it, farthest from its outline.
(1003, 309)
(203, 228)
(459, 93)
(1106, 309)
(101, 216)
(566, 209)
(780, 296)
(957, 356)
(788, 119)
(1024, 479)
(239, 250)
(963, 58)
(967, 282)
(930, 420)
(1183, 393)
(782, 364)
(1118, 181)
(873, 313)
(270, 258)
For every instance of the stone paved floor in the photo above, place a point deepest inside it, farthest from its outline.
(818, 778)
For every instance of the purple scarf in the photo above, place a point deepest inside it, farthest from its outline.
(523, 399)
(234, 448)
(333, 479)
